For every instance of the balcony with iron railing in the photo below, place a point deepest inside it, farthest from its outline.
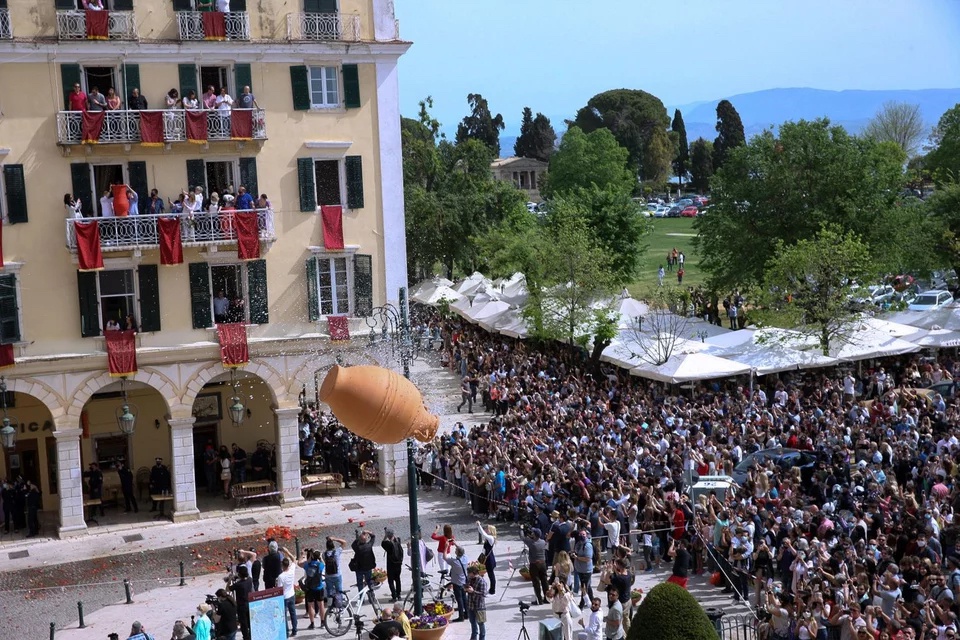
(72, 25)
(6, 30)
(143, 232)
(323, 26)
(123, 126)
(213, 25)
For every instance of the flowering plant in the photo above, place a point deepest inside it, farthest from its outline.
(636, 594)
(278, 532)
(437, 608)
(427, 622)
(482, 569)
(379, 575)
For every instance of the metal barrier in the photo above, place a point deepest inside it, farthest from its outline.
(737, 627)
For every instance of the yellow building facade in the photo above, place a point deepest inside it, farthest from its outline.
(322, 132)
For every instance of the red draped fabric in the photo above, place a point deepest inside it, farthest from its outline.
(6, 356)
(98, 25)
(248, 238)
(214, 25)
(171, 246)
(241, 124)
(91, 124)
(88, 245)
(151, 128)
(233, 344)
(121, 352)
(332, 226)
(196, 126)
(339, 328)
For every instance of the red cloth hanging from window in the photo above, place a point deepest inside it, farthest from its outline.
(332, 226)
(121, 352)
(6, 356)
(98, 24)
(196, 126)
(233, 344)
(151, 128)
(248, 237)
(214, 25)
(241, 124)
(88, 245)
(91, 124)
(339, 328)
(171, 246)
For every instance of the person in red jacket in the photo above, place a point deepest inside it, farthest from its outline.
(444, 541)
(77, 99)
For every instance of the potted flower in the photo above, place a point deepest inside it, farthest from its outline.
(524, 572)
(298, 595)
(482, 569)
(635, 595)
(379, 575)
(438, 608)
(427, 627)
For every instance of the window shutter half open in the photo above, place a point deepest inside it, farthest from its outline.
(149, 282)
(65, 5)
(82, 188)
(200, 295)
(362, 285)
(89, 304)
(242, 75)
(137, 170)
(182, 5)
(308, 188)
(313, 291)
(351, 86)
(354, 168)
(238, 5)
(248, 177)
(69, 74)
(300, 85)
(188, 78)
(121, 5)
(257, 292)
(131, 74)
(15, 186)
(9, 312)
(197, 174)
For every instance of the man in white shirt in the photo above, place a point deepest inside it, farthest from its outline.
(106, 205)
(593, 623)
(288, 580)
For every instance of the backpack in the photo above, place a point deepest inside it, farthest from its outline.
(330, 560)
(395, 555)
(313, 580)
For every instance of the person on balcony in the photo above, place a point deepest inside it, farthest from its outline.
(155, 203)
(247, 100)
(130, 323)
(224, 106)
(173, 99)
(244, 199)
(96, 101)
(106, 205)
(223, 6)
(95, 5)
(221, 308)
(191, 101)
(134, 202)
(114, 103)
(72, 207)
(78, 99)
(205, 5)
(136, 102)
(226, 217)
(210, 98)
(121, 205)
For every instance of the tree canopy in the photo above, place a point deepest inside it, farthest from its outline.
(670, 612)
(481, 124)
(681, 162)
(900, 123)
(537, 137)
(701, 164)
(944, 209)
(586, 159)
(729, 133)
(943, 161)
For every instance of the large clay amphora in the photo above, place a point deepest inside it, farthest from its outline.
(378, 404)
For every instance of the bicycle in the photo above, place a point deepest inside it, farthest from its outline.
(443, 593)
(342, 613)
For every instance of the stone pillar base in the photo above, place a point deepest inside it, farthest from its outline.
(186, 516)
(71, 532)
(292, 500)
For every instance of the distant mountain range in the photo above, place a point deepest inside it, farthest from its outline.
(760, 110)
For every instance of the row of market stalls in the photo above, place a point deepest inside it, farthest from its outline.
(662, 346)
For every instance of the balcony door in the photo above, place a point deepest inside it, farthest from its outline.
(221, 177)
(216, 77)
(103, 78)
(105, 175)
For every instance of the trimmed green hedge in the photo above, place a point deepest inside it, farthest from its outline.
(669, 612)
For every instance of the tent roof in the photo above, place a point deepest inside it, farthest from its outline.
(691, 366)
(945, 318)
(433, 296)
(773, 358)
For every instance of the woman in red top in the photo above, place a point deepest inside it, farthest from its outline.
(121, 205)
(444, 541)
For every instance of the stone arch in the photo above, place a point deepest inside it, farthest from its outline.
(148, 376)
(273, 380)
(40, 390)
(321, 362)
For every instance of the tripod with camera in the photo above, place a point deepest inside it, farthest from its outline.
(524, 634)
(522, 561)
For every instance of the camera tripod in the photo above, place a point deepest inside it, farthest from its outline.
(358, 623)
(524, 634)
(522, 561)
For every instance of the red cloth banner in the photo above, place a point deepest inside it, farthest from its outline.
(196, 126)
(339, 328)
(98, 25)
(151, 128)
(6, 356)
(214, 25)
(332, 226)
(248, 238)
(121, 352)
(88, 245)
(241, 124)
(233, 344)
(171, 246)
(91, 124)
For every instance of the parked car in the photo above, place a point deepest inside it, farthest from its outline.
(700, 201)
(661, 211)
(881, 293)
(703, 211)
(689, 212)
(931, 300)
(783, 458)
(686, 202)
(532, 207)
(946, 388)
(674, 211)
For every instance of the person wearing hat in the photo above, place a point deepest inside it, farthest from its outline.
(95, 485)
(137, 632)
(182, 632)
(159, 482)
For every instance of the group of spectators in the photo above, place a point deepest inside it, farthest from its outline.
(212, 100)
(860, 544)
(121, 201)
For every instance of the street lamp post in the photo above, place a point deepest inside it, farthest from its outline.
(395, 323)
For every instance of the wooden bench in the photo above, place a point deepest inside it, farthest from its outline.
(323, 482)
(93, 503)
(369, 473)
(253, 490)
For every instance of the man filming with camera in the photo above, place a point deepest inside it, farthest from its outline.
(537, 550)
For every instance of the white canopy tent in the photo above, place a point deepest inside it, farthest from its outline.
(473, 284)
(895, 329)
(514, 290)
(487, 314)
(753, 339)
(945, 318)
(517, 328)
(939, 339)
(688, 367)
(773, 358)
(867, 343)
(461, 306)
(434, 296)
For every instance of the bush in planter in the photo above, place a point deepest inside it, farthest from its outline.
(437, 608)
(669, 612)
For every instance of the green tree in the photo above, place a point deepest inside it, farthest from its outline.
(670, 612)
(701, 164)
(787, 187)
(729, 133)
(943, 161)
(944, 209)
(586, 159)
(681, 162)
(537, 137)
(900, 123)
(810, 284)
(481, 124)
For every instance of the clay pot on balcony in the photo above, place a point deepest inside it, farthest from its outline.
(378, 404)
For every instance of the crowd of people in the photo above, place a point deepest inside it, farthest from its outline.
(121, 201)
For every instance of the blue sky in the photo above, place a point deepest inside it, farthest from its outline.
(553, 55)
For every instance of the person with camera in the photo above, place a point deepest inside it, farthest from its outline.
(364, 561)
(331, 565)
(537, 552)
(242, 586)
(476, 590)
(458, 578)
(225, 615)
(394, 553)
(313, 585)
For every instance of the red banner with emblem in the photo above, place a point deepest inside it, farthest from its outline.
(151, 128)
(339, 328)
(91, 124)
(121, 352)
(98, 24)
(233, 344)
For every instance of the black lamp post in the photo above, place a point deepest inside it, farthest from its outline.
(394, 324)
(8, 433)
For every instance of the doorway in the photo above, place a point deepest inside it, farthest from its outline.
(203, 433)
(213, 76)
(103, 78)
(105, 175)
(220, 178)
(24, 462)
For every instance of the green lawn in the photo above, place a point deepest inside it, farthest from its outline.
(667, 234)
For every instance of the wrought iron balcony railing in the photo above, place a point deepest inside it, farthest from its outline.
(123, 126)
(72, 25)
(191, 25)
(323, 26)
(6, 30)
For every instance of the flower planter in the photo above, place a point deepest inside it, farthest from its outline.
(428, 634)
(525, 573)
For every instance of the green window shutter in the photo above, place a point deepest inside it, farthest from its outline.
(313, 291)
(320, 6)
(242, 75)
(257, 292)
(149, 282)
(200, 295)
(69, 74)
(188, 79)
(238, 5)
(89, 304)
(197, 174)
(9, 318)
(16, 189)
(3, 4)
(248, 176)
(362, 285)
(82, 188)
(138, 182)
(131, 73)
(65, 5)
(300, 84)
(351, 86)
(354, 166)
(122, 5)
(308, 189)
(182, 5)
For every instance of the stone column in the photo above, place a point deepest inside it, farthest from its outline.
(183, 471)
(69, 482)
(393, 468)
(288, 455)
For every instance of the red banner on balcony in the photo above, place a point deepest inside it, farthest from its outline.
(151, 128)
(6, 356)
(88, 245)
(248, 237)
(233, 344)
(98, 25)
(332, 226)
(241, 124)
(91, 124)
(196, 126)
(121, 352)
(214, 25)
(339, 328)
(171, 246)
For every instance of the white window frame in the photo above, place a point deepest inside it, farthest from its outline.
(136, 293)
(322, 255)
(325, 105)
(341, 178)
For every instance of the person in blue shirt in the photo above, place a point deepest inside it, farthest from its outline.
(244, 199)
